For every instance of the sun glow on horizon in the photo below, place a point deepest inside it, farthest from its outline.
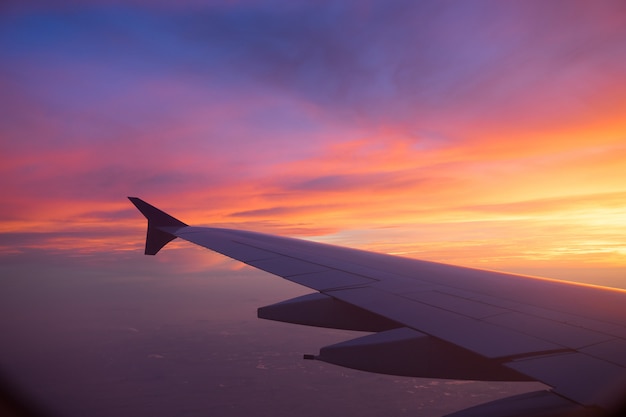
(491, 138)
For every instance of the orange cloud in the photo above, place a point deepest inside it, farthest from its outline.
(488, 145)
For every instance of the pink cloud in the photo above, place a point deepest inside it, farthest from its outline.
(308, 127)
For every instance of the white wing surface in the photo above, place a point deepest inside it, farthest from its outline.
(440, 321)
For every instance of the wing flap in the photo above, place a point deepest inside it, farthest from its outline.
(532, 404)
(407, 352)
(579, 377)
(469, 308)
(330, 280)
(477, 336)
(559, 333)
(611, 351)
(286, 267)
(572, 319)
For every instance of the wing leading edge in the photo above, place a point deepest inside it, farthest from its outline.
(439, 321)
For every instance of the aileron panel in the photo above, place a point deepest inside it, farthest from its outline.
(483, 338)
(329, 279)
(287, 267)
(455, 304)
(560, 333)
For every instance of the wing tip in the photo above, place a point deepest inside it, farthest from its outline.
(156, 237)
(155, 216)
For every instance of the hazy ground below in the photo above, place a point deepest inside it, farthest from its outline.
(93, 344)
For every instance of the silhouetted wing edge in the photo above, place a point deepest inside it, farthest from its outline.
(434, 320)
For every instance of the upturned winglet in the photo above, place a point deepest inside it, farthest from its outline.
(159, 223)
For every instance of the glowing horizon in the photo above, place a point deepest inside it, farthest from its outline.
(486, 136)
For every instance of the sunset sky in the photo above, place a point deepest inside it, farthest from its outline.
(488, 134)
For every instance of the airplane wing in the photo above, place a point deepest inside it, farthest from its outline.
(434, 320)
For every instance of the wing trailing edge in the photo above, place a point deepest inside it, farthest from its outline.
(159, 222)
(530, 404)
(440, 321)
